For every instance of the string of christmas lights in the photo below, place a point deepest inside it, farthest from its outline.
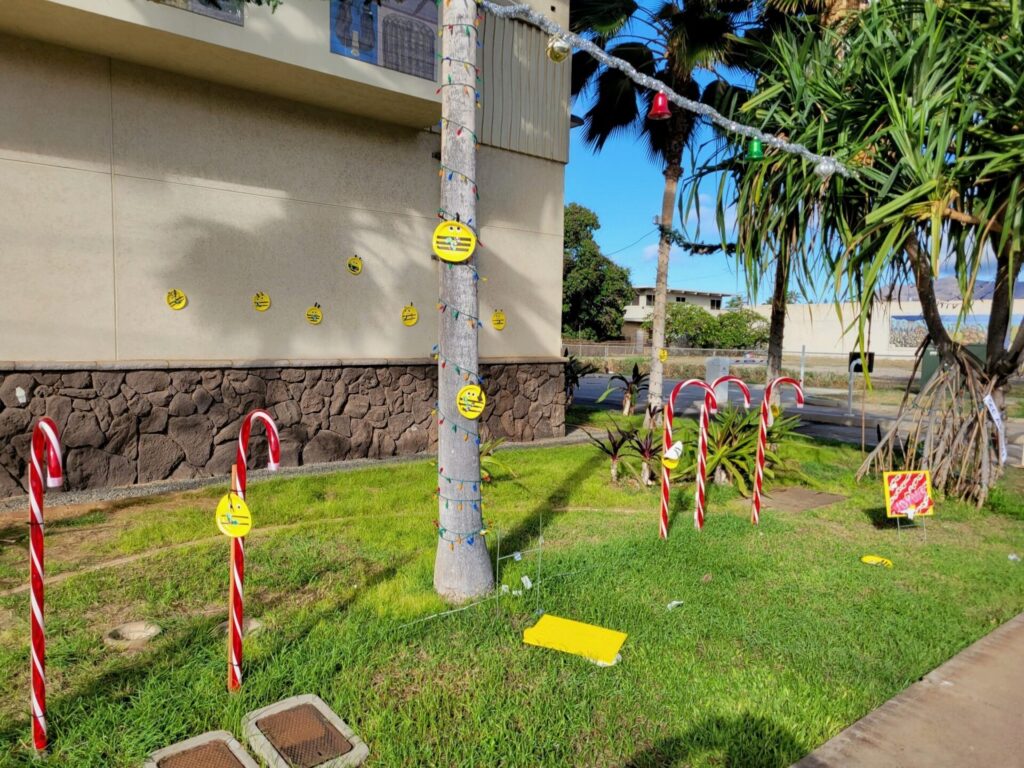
(460, 482)
(453, 173)
(443, 419)
(824, 165)
(459, 129)
(476, 504)
(472, 320)
(469, 65)
(458, 537)
(462, 370)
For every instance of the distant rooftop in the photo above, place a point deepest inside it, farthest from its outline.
(712, 294)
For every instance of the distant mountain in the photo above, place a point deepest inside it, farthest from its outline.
(947, 289)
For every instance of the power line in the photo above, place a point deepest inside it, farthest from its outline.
(623, 248)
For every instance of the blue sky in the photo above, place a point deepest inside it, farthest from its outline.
(623, 186)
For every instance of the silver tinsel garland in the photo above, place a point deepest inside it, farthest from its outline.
(824, 165)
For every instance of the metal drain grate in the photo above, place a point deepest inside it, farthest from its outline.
(216, 754)
(303, 736)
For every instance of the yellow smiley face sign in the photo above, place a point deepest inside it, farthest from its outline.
(410, 315)
(233, 516)
(498, 320)
(261, 302)
(176, 299)
(471, 401)
(453, 241)
(354, 266)
(314, 315)
(663, 355)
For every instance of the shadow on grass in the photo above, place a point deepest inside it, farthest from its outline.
(527, 529)
(746, 741)
(187, 641)
(877, 517)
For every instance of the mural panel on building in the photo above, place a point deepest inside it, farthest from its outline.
(225, 10)
(397, 34)
(910, 330)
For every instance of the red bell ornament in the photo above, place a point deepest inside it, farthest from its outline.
(659, 109)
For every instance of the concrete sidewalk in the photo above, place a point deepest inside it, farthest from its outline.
(968, 712)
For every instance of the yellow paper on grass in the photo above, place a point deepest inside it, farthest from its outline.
(586, 640)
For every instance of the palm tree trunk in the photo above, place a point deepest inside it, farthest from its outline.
(777, 326)
(462, 566)
(657, 380)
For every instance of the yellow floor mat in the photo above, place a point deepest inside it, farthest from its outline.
(595, 643)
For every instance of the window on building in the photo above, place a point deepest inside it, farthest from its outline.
(648, 300)
(716, 303)
(680, 299)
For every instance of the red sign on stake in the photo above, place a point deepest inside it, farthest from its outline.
(908, 494)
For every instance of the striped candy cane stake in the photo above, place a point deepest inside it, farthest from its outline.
(45, 444)
(707, 408)
(236, 609)
(667, 439)
(762, 439)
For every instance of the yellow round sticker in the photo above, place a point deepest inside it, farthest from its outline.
(410, 315)
(354, 265)
(471, 401)
(314, 315)
(176, 299)
(663, 354)
(498, 320)
(261, 302)
(233, 516)
(453, 241)
(876, 560)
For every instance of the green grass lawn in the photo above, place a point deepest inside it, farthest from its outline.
(783, 637)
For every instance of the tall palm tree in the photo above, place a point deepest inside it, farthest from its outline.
(671, 43)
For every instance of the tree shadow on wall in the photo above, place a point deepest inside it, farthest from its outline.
(744, 741)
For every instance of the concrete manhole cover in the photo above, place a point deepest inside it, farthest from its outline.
(131, 636)
(304, 737)
(303, 732)
(216, 754)
(799, 499)
(216, 749)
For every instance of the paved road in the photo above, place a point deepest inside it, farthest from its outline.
(821, 417)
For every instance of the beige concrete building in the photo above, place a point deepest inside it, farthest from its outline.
(896, 328)
(642, 306)
(148, 147)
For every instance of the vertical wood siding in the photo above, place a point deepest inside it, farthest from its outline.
(525, 96)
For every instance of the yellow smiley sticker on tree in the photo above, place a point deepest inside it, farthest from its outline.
(354, 265)
(261, 302)
(663, 354)
(233, 516)
(471, 401)
(314, 315)
(176, 299)
(453, 241)
(410, 315)
(498, 320)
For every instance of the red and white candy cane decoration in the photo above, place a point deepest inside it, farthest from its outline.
(236, 607)
(702, 449)
(762, 438)
(709, 397)
(45, 445)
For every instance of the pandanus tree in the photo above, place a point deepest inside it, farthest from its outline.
(673, 43)
(924, 101)
(768, 237)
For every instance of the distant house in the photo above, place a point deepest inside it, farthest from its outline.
(642, 306)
